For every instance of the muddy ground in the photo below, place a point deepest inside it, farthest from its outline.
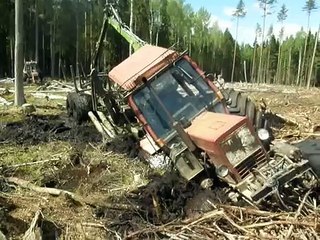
(48, 150)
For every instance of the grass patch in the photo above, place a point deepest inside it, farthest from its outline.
(11, 155)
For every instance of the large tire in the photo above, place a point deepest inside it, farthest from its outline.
(242, 106)
(78, 106)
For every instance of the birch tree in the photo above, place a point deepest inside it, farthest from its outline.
(240, 12)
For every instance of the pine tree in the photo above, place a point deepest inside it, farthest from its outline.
(282, 16)
(240, 12)
(266, 6)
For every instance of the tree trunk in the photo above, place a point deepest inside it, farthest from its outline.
(284, 70)
(262, 42)
(91, 32)
(36, 32)
(298, 81)
(19, 95)
(151, 24)
(278, 64)
(77, 40)
(235, 51)
(131, 24)
(12, 56)
(51, 49)
(157, 37)
(267, 71)
(313, 57)
(59, 65)
(85, 38)
(302, 73)
(253, 64)
(43, 51)
(288, 80)
(245, 71)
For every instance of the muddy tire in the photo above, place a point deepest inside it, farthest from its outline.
(242, 106)
(78, 106)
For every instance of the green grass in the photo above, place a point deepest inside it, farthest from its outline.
(11, 155)
(112, 174)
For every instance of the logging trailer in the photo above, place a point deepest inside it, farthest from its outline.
(172, 107)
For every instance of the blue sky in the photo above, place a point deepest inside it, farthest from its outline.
(221, 11)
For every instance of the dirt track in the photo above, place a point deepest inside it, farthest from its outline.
(79, 163)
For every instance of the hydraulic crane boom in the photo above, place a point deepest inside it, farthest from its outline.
(112, 18)
(115, 21)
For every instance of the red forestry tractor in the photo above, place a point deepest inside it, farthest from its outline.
(172, 107)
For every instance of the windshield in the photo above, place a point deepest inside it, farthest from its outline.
(183, 93)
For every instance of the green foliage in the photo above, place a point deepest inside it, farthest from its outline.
(70, 28)
(240, 11)
(310, 6)
(282, 14)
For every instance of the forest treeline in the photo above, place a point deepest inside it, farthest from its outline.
(60, 33)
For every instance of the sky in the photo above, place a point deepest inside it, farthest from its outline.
(221, 11)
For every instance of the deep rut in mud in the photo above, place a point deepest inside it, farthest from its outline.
(35, 129)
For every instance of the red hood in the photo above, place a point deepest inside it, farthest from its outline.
(209, 128)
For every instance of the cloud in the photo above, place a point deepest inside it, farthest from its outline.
(228, 11)
(246, 34)
(290, 29)
(223, 23)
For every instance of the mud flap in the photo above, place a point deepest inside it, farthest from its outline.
(311, 150)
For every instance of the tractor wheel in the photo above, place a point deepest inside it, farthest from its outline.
(242, 106)
(78, 106)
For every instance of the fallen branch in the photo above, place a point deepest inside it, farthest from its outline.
(34, 231)
(48, 96)
(26, 184)
(297, 213)
(287, 120)
(99, 225)
(78, 199)
(31, 163)
(280, 222)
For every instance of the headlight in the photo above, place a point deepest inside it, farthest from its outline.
(222, 171)
(263, 134)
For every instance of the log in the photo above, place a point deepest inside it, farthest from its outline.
(28, 185)
(48, 96)
(77, 199)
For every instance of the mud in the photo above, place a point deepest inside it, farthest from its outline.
(36, 129)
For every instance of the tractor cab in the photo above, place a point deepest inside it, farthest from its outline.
(186, 117)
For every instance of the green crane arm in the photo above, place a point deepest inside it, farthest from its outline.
(112, 18)
(115, 21)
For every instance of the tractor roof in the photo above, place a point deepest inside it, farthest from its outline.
(145, 62)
